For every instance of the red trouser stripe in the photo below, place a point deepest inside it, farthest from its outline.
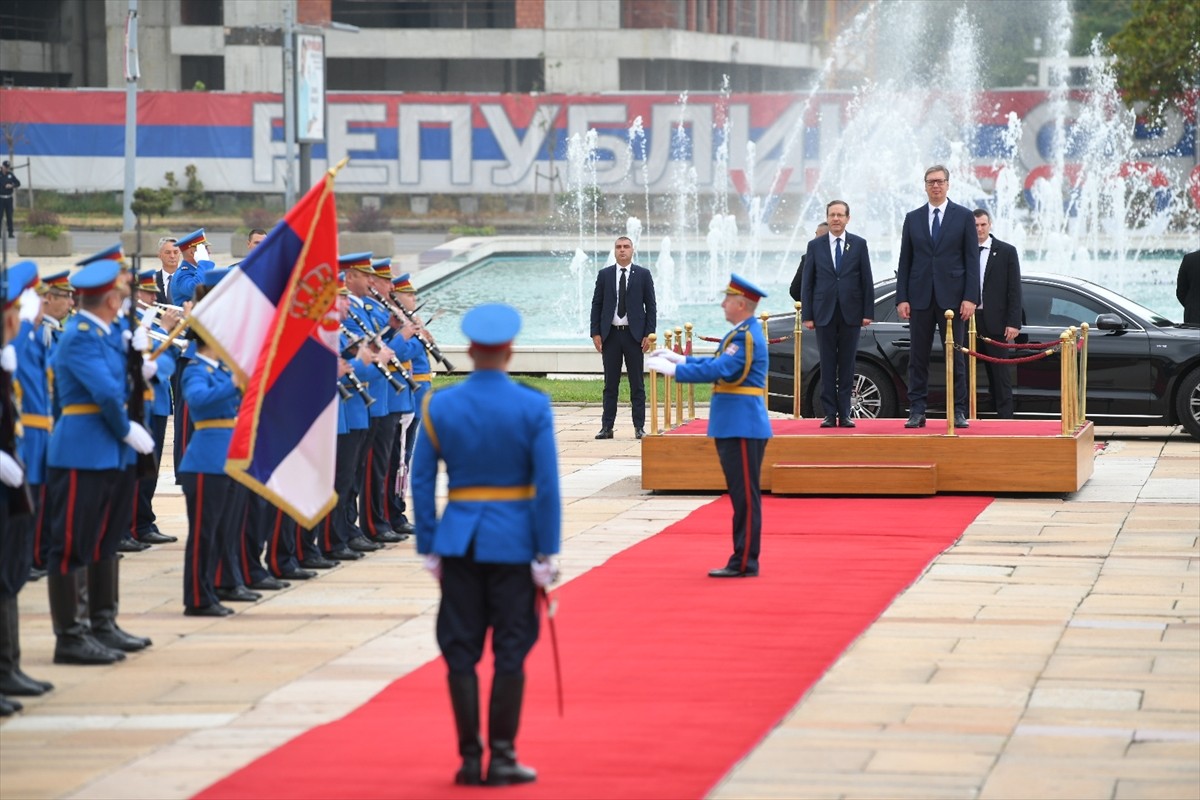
(137, 488)
(370, 519)
(37, 531)
(275, 541)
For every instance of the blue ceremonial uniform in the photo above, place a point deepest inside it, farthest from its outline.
(33, 389)
(738, 424)
(186, 279)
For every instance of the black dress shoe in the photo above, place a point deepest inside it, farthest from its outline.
(109, 634)
(154, 537)
(605, 433)
(726, 572)
(81, 648)
(36, 573)
(915, 421)
(237, 594)
(345, 554)
(363, 545)
(215, 610)
(388, 537)
(46, 686)
(7, 709)
(846, 422)
(318, 563)
(960, 421)
(829, 422)
(638, 433)
(402, 525)
(130, 546)
(21, 685)
(269, 584)
(299, 575)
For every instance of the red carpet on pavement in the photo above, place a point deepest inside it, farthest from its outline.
(670, 676)
(895, 427)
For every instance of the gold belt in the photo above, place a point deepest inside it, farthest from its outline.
(423, 377)
(39, 421)
(207, 424)
(721, 388)
(80, 408)
(492, 493)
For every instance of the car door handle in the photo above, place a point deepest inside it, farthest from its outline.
(901, 344)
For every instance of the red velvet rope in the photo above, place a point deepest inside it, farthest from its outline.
(769, 341)
(1015, 346)
(994, 360)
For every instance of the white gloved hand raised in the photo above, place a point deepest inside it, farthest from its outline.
(544, 572)
(11, 473)
(31, 306)
(660, 365)
(8, 358)
(669, 355)
(140, 340)
(149, 368)
(139, 438)
(433, 563)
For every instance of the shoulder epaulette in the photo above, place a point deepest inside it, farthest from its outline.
(83, 326)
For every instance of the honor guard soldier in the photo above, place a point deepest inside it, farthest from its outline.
(194, 250)
(493, 547)
(20, 308)
(406, 294)
(31, 386)
(87, 457)
(159, 408)
(738, 421)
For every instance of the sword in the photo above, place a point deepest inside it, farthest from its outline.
(551, 609)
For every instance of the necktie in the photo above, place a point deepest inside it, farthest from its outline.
(937, 224)
(837, 256)
(981, 248)
(621, 293)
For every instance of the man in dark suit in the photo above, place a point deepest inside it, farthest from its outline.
(938, 270)
(623, 317)
(838, 298)
(998, 315)
(1187, 287)
(796, 290)
(169, 256)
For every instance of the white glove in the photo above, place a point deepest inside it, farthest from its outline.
(139, 438)
(8, 358)
(669, 355)
(31, 306)
(149, 318)
(11, 473)
(433, 563)
(140, 340)
(661, 365)
(544, 572)
(149, 368)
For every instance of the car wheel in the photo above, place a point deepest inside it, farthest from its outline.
(1187, 403)
(872, 395)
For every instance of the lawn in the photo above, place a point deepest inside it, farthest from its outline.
(583, 390)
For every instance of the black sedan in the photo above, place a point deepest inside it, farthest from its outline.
(1143, 369)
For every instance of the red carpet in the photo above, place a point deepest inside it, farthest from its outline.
(895, 427)
(670, 676)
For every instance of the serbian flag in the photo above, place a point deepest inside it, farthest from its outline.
(270, 319)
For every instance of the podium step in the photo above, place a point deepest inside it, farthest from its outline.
(864, 479)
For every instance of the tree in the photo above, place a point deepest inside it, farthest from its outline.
(1092, 18)
(1158, 55)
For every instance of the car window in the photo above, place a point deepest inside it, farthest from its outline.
(1058, 307)
(885, 306)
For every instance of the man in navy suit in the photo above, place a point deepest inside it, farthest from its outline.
(998, 316)
(938, 270)
(838, 298)
(623, 317)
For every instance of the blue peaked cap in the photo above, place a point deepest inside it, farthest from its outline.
(491, 325)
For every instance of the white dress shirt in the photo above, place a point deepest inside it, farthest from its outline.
(617, 319)
(941, 216)
(984, 251)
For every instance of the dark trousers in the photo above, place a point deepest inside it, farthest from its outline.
(478, 596)
(143, 513)
(741, 461)
(999, 378)
(207, 497)
(282, 540)
(6, 211)
(406, 441)
(230, 573)
(346, 472)
(921, 327)
(41, 524)
(16, 547)
(372, 500)
(620, 347)
(183, 432)
(80, 521)
(838, 345)
(257, 520)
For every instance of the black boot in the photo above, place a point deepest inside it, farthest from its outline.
(464, 697)
(73, 640)
(12, 680)
(103, 581)
(9, 707)
(504, 717)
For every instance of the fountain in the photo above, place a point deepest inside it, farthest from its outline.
(1091, 207)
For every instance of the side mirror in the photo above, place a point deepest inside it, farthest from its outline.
(1110, 322)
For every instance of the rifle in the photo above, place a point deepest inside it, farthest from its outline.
(398, 310)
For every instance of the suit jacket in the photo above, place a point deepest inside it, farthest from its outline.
(1187, 287)
(639, 302)
(162, 297)
(1001, 291)
(796, 290)
(945, 273)
(852, 288)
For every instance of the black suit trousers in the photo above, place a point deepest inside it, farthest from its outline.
(921, 327)
(143, 513)
(838, 345)
(741, 461)
(620, 347)
(999, 378)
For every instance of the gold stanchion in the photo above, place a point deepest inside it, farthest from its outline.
(1074, 389)
(950, 373)
(678, 385)
(1064, 379)
(972, 386)
(691, 386)
(653, 394)
(1083, 364)
(763, 317)
(668, 341)
(796, 382)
